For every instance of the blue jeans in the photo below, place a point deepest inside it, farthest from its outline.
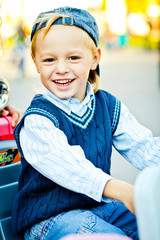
(112, 217)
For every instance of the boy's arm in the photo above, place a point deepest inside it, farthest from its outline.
(122, 191)
(135, 142)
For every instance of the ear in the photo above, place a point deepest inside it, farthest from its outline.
(34, 60)
(96, 59)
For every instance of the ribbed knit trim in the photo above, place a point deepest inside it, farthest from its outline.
(83, 121)
(115, 116)
(44, 113)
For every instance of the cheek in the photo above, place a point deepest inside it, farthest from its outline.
(44, 77)
(83, 71)
(44, 72)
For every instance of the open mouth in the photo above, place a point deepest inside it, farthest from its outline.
(64, 82)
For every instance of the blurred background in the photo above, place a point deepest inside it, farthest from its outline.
(130, 64)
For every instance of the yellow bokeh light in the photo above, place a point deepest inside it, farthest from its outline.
(137, 24)
(153, 10)
(116, 16)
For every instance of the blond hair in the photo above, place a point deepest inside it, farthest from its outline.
(47, 19)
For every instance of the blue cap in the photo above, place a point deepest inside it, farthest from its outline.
(74, 16)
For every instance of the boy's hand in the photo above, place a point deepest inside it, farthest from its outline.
(122, 191)
(128, 197)
(16, 114)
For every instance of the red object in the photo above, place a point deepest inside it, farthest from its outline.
(6, 130)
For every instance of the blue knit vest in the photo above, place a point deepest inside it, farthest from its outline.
(39, 198)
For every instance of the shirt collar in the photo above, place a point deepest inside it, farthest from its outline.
(71, 104)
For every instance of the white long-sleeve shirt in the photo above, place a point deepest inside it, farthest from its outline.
(46, 148)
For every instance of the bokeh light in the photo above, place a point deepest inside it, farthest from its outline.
(124, 22)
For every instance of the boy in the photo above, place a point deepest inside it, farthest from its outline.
(65, 138)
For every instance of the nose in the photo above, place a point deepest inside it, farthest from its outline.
(61, 67)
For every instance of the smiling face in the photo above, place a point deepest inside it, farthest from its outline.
(64, 59)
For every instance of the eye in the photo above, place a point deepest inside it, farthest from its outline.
(49, 60)
(74, 58)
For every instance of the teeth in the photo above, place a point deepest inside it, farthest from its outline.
(63, 81)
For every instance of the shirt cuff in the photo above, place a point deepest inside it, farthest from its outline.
(99, 183)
